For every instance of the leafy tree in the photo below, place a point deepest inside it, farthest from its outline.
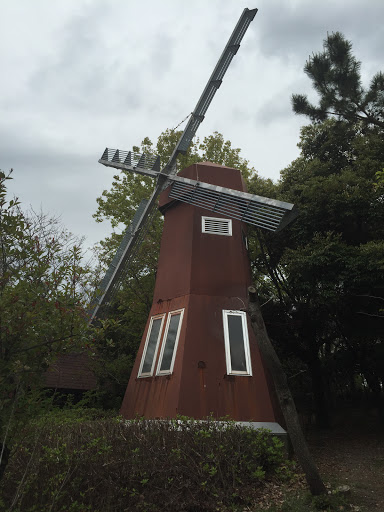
(327, 269)
(42, 296)
(380, 178)
(335, 75)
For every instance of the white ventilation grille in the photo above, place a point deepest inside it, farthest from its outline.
(216, 226)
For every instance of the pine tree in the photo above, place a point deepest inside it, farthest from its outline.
(335, 74)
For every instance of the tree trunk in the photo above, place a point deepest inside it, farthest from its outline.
(5, 451)
(319, 394)
(284, 396)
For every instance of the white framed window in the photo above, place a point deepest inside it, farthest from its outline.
(237, 354)
(148, 359)
(170, 342)
(216, 226)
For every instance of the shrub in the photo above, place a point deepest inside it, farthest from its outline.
(101, 465)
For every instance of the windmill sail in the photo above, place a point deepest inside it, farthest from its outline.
(110, 282)
(141, 163)
(123, 160)
(124, 242)
(258, 211)
(213, 84)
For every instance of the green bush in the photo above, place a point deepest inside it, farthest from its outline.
(62, 464)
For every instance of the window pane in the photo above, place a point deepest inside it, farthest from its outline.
(151, 346)
(170, 343)
(236, 343)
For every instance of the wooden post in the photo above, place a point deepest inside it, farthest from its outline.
(284, 396)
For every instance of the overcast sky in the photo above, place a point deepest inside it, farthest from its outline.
(80, 75)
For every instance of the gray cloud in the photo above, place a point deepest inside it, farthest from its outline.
(80, 75)
(292, 28)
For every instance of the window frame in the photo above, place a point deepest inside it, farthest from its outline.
(247, 353)
(164, 340)
(150, 374)
(203, 221)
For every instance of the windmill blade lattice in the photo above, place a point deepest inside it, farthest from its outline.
(214, 83)
(119, 267)
(120, 251)
(258, 211)
(141, 163)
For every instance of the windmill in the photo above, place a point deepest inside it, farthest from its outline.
(200, 188)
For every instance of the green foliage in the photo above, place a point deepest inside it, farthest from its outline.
(41, 290)
(329, 502)
(380, 180)
(110, 464)
(326, 270)
(42, 297)
(335, 75)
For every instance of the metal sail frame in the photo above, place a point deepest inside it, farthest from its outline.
(150, 166)
(259, 211)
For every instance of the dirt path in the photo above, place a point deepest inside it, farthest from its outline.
(353, 454)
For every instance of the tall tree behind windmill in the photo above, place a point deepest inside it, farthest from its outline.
(335, 75)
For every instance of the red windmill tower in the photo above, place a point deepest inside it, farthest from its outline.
(198, 355)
